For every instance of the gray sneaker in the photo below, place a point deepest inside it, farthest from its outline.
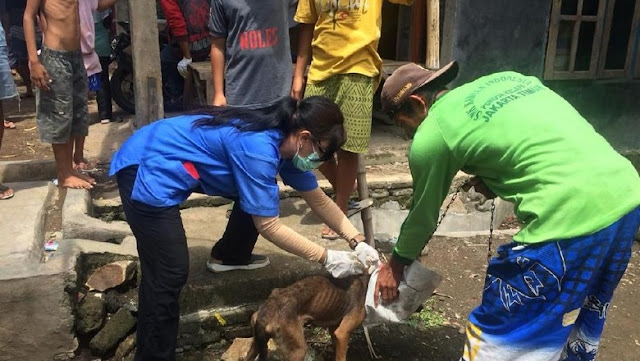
(257, 261)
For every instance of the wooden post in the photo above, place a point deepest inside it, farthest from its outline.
(121, 14)
(416, 41)
(147, 77)
(433, 34)
(363, 192)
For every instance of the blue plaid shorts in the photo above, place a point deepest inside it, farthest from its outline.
(549, 301)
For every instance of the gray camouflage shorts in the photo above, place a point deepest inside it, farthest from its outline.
(62, 110)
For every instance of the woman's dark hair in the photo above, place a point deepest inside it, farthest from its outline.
(319, 115)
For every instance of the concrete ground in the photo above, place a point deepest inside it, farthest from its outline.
(34, 282)
(36, 319)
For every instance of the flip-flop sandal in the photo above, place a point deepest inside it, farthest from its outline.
(3, 192)
(359, 206)
(331, 235)
(352, 204)
(87, 168)
(9, 125)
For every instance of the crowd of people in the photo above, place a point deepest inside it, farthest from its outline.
(546, 294)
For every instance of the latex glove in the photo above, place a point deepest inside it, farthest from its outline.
(343, 264)
(368, 256)
(182, 66)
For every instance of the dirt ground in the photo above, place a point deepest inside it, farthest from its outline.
(23, 143)
(439, 337)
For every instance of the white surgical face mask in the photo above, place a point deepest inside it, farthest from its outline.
(310, 162)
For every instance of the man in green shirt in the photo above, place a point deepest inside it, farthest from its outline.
(546, 294)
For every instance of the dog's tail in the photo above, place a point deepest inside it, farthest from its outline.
(260, 340)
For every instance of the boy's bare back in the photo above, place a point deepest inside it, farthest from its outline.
(62, 30)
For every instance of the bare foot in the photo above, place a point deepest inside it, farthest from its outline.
(72, 181)
(84, 177)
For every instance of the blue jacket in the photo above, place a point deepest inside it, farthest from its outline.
(227, 162)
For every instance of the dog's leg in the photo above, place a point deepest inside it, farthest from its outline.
(343, 332)
(259, 342)
(290, 340)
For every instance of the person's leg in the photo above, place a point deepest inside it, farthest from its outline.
(80, 123)
(19, 49)
(355, 98)
(23, 69)
(534, 295)
(234, 250)
(584, 339)
(164, 260)
(5, 192)
(54, 109)
(80, 164)
(104, 94)
(173, 82)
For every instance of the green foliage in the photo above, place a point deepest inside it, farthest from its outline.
(427, 317)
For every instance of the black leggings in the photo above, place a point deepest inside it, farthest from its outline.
(164, 258)
(239, 238)
(104, 94)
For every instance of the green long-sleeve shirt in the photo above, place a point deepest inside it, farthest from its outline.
(530, 147)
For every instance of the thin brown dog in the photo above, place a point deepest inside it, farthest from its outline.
(336, 304)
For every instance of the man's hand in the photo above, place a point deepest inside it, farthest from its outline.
(479, 187)
(342, 264)
(39, 76)
(389, 278)
(182, 66)
(296, 87)
(219, 100)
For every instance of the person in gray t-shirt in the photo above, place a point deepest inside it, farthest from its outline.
(251, 38)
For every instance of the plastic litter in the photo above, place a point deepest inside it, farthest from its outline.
(51, 245)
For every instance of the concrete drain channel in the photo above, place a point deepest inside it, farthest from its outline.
(105, 296)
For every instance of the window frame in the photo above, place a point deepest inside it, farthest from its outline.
(603, 20)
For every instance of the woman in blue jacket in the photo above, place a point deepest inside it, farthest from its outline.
(234, 153)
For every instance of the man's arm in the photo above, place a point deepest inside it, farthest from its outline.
(39, 75)
(177, 25)
(218, 45)
(433, 167)
(305, 36)
(105, 4)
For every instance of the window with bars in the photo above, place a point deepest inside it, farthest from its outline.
(593, 39)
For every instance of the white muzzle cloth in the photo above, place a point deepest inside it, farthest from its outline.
(417, 286)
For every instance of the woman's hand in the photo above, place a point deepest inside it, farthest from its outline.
(368, 256)
(342, 264)
(389, 278)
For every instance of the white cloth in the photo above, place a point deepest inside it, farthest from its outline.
(182, 66)
(417, 286)
(343, 264)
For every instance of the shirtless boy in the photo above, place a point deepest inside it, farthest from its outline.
(60, 75)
